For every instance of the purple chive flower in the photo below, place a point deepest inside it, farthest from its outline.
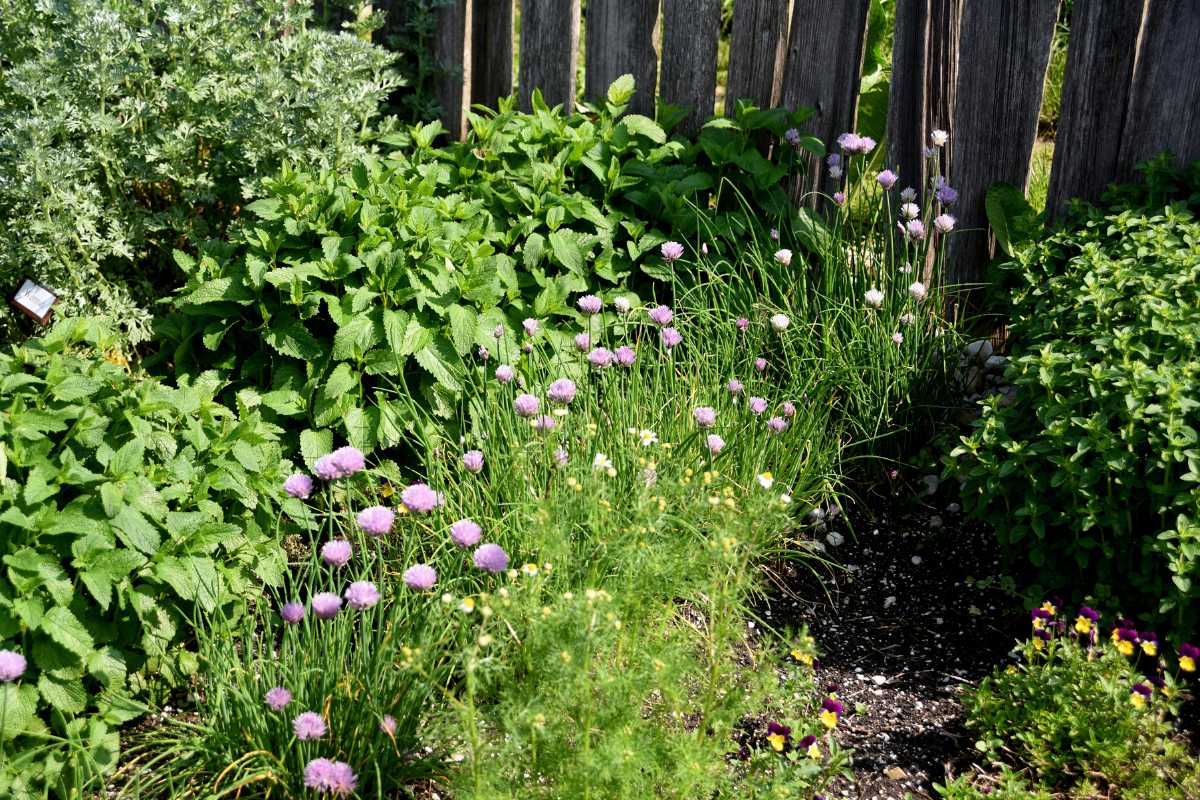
(376, 520)
(388, 725)
(347, 461)
(944, 223)
(839, 198)
(714, 443)
(308, 725)
(774, 234)
(466, 533)
(789, 409)
(278, 698)
(361, 595)
(833, 160)
(670, 337)
(672, 251)
(531, 326)
(625, 356)
(784, 257)
(742, 323)
(705, 416)
(12, 666)
(420, 498)
(735, 386)
(326, 605)
(336, 552)
(421, 577)
(582, 342)
(908, 194)
(560, 457)
(757, 405)
(760, 364)
(792, 137)
(777, 424)
(505, 373)
(498, 332)
(589, 304)
(600, 357)
(291, 613)
(853, 144)
(483, 353)
(526, 405)
(913, 230)
(943, 192)
(543, 423)
(491, 558)
(562, 391)
(473, 460)
(661, 315)
(330, 777)
(887, 179)
(298, 485)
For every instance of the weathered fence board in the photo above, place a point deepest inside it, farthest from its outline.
(921, 93)
(1164, 98)
(1005, 48)
(549, 51)
(757, 47)
(491, 51)
(691, 29)
(824, 68)
(620, 40)
(452, 53)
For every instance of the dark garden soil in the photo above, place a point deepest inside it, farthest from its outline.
(902, 630)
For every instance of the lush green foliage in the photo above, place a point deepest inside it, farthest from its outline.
(128, 506)
(1068, 716)
(388, 280)
(1092, 470)
(133, 127)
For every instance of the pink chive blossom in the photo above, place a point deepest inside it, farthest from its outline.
(704, 248)
(491, 558)
(561, 391)
(913, 230)
(760, 364)
(298, 485)
(341, 463)
(908, 194)
(839, 198)
(473, 461)
(308, 725)
(376, 520)
(361, 595)
(944, 223)
(531, 326)
(543, 423)
(582, 342)
(330, 777)
(852, 143)
(777, 424)
(910, 210)
(498, 332)
(705, 416)
(589, 304)
(326, 605)
(278, 698)
(625, 356)
(780, 322)
(714, 443)
(917, 291)
(600, 357)
(421, 577)
(388, 725)
(291, 613)
(12, 666)
(735, 386)
(874, 297)
(672, 251)
(742, 323)
(898, 338)
(661, 315)
(505, 373)
(774, 234)
(560, 457)
(670, 337)
(836, 173)
(526, 405)
(527, 348)
(419, 498)
(887, 179)
(907, 319)
(466, 533)
(757, 405)
(336, 552)
(621, 304)
(789, 409)
(784, 257)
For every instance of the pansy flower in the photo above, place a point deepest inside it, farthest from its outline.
(1040, 637)
(1149, 642)
(778, 736)
(1125, 639)
(1040, 617)
(1086, 621)
(1139, 694)
(1188, 655)
(831, 712)
(810, 746)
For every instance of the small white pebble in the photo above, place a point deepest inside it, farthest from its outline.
(890, 601)
(916, 559)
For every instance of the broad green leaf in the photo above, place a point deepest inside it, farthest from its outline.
(20, 705)
(75, 387)
(68, 696)
(314, 444)
(289, 337)
(440, 360)
(354, 338)
(61, 625)
(621, 90)
(135, 531)
(644, 126)
(463, 325)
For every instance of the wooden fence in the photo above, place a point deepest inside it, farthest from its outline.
(971, 67)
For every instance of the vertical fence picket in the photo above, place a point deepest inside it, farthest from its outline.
(1164, 97)
(1004, 49)
(619, 41)
(491, 51)
(757, 48)
(549, 51)
(691, 29)
(824, 68)
(452, 53)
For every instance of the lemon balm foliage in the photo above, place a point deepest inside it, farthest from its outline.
(134, 127)
(128, 507)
